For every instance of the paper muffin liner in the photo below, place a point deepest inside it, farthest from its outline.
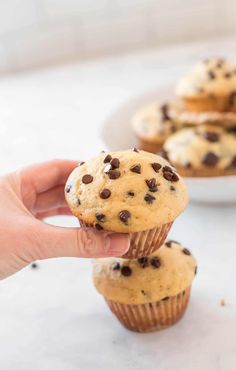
(149, 146)
(143, 243)
(205, 172)
(151, 316)
(209, 104)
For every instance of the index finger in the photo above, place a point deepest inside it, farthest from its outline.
(44, 176)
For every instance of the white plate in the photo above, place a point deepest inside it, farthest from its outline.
(117, 134)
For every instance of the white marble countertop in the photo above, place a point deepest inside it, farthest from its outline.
(51, 317)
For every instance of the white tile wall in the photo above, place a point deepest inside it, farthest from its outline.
(37, 32)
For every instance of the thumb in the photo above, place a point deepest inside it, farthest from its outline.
(79, 242)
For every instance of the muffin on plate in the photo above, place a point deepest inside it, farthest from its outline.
(128, 191)
(149, 293)
(152, 125)
(202, 151)
(209, 86)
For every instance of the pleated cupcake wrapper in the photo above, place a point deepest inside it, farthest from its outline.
(150, 146)
(205, 172)
(209, 104)
(151, 316)
(144, 243)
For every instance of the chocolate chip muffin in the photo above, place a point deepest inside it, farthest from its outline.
(209, 86)
(152, 125)
(149, 293)
(131, 192)
(202, 151)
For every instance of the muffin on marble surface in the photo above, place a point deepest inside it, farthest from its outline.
(209, 86)
(128, 191)
(202, 151)
(152, 125)
(149, 293)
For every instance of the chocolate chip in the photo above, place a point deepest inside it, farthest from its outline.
(172, 188)
(195, 270)
(34, 265)
(135, 150)
(87, 179)
(136, 168)
(107, 159)
(165, 112)
(228, 75)
(211, 75)
(98, 227)
(210, 159)
(186, 251)
(143, 292)
(115, 163)
(114, 174)
(155, 262)
(187, 165)
(130, 193)
(68, 188)
(143, 261)
(171, 176)
(124, 216)
(167, 169)
(163, 153)
(126, 271)
(156, 166)
(78, 202)
(231, 130)
(100, 216)
(105, 193)
(116, 266)
(152, 185)
(169, 243)
(165, 298)
(213, 137)
(149, 198)
(81, 163)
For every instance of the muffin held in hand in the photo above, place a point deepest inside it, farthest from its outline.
(202, 151)
(152, 125)
(210, 86)
(131, 192)
(150, 293)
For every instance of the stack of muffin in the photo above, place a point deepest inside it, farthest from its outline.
(138, 193)
(197, 131)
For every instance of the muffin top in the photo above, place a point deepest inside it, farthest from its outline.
(153, 123)
(203, 146)
(211, 76)
(164, 274)
(126, 191)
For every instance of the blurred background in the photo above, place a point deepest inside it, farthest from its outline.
(35, 33)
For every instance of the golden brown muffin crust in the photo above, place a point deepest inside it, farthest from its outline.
(164, 274)
(126, 191)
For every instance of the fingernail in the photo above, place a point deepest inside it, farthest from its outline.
(118, 244)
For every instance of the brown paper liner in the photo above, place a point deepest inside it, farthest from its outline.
(149, 146)
(151, 316)
(204, 172)
(209, 104)
(144, 243)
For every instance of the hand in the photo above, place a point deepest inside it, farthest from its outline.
(32, 194)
